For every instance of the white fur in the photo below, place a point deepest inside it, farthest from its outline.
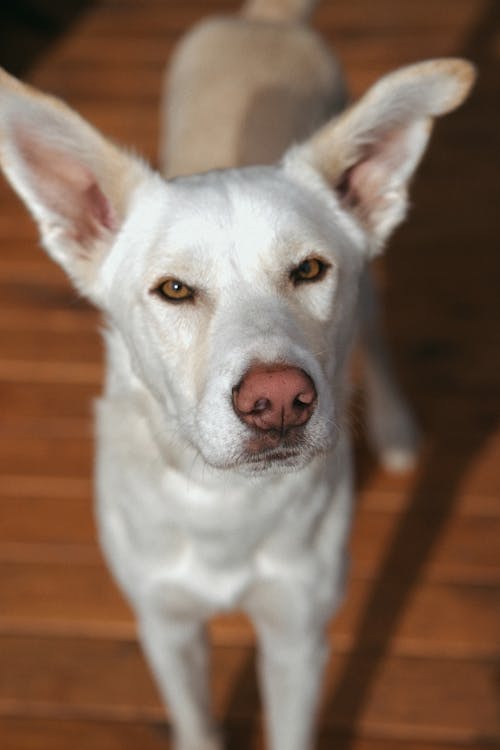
(192, 521)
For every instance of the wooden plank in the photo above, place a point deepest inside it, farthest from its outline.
(438, 619)
(28, 371)
(34, 733)
(453, 700)
(47, 346)
(138, 85)
(20, 488)
(76, 320)
(25, 295)
(394, 15)
(27, 266)
(47, 427)
(28, 455)
(20, 733)
(47, 400)
(455, 549)
(60, 515)
(394, 501)
(14, 224)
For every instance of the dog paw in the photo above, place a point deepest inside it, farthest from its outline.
(399, 461)
(396, 439)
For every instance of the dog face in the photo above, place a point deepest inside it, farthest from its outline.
(243, 284)
(230, 296)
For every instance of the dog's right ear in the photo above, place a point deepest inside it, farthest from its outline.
(369, 154)
(76, 184)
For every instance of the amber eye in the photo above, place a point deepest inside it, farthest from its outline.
(311, 269)
(174, 290)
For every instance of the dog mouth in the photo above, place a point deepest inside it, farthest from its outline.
(272, 456)
(270, 452)
(272, 461)
(274, 441)
(276, 457)
(280, 458)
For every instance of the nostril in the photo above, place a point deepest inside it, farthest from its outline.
(263, 404)
(304, 399)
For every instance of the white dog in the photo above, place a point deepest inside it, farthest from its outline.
(231, 301)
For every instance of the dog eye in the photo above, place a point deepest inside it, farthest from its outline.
(311, 269)
(174, 290)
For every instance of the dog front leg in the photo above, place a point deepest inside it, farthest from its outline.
(177, 653)
(290, 676)
(292, 654)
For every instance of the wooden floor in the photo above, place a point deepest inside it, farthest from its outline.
(416, 646)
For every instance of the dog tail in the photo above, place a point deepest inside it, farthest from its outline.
(278, 10)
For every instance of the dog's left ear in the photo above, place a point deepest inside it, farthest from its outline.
(369, 153)
(76, 183)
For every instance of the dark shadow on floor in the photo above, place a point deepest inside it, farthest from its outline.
(455, 437)
(29, 27)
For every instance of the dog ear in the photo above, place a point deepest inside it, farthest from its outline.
(76, 184)
(369, 153)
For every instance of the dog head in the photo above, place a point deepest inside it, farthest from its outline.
(231, 296)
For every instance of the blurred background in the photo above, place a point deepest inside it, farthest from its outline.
(29, 27)
(416, 646)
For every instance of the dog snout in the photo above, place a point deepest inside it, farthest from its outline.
(275, 398)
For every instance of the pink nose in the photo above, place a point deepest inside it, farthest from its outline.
(275, 397)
